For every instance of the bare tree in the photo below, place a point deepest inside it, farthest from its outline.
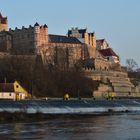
(131, 64)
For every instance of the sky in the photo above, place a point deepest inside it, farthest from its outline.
(118, 21)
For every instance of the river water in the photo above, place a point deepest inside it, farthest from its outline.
(97, 127)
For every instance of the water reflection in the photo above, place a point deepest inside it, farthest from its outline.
(107, 127)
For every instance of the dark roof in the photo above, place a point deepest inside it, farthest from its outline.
(3, 19)
(36, 24)
(81, 31)
(108, 52)
(6, 87)
(101, 55)
(100, 42)
(45, 26)
(63, 39)
(92, 34)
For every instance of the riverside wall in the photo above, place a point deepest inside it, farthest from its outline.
(84, 106)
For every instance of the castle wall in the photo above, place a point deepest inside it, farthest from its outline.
(101, 64)
(29, 40)
(34, 40)
(5, 42)
(23, 40)
(65, 55)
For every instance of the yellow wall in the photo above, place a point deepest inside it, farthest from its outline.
(18, 88)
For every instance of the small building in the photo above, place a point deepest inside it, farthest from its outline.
(106, 52)
(101, 44)
(12, 91)
(110, 55)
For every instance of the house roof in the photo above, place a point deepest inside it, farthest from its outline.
(108, 52)
(63, 39)
(6, 87)
(99, 54)
(100, 42)
(3, 19)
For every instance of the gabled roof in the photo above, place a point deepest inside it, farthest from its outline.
(6, 87)
(3, 20)
(63, 39)
(108, 52)
(100, 42)
(99, 54)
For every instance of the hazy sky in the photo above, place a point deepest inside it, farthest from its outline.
(118, 21)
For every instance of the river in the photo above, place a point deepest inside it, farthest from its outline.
(97, 127)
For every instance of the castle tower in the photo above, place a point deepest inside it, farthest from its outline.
(85, 37)
(3, 23)
(40, 37)
(36, 35)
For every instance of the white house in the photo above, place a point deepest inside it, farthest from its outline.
(12, 91)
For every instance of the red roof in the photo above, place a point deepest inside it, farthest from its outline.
(3, 20)
(108, 52)
(100, 42)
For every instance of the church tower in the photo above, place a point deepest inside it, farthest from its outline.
(3, 23)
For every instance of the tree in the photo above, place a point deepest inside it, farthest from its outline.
(131, 64)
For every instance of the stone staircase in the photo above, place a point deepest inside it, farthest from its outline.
(121, 85)
(102, 89)
(113, 81)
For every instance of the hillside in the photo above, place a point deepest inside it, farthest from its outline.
(42, 81)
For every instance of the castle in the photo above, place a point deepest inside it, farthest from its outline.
(61, 51)
(79, 48)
